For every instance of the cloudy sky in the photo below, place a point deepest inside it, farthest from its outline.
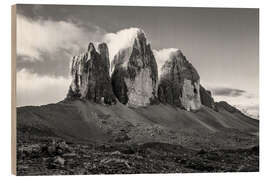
(222, 44)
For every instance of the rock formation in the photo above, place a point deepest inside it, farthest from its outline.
(179, 82)
(134, 73)
(206, 98)
(90, 76)
(135, 79)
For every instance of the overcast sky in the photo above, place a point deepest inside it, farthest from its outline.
(222, 44)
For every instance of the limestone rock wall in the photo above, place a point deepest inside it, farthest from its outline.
(135, 76)
(206, 98)
(190, 98)
(90, 76)
(179, 82)
(132, 77)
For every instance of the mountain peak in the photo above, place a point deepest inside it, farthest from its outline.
(91, 47)
(135, 31)
(134, 71)
(90, 76)
(139, 76)
(123, 40)
(130, 38)
(179, 82)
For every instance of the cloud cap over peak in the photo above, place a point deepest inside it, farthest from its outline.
(163, 55)
(121, 39)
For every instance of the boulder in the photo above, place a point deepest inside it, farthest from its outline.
(134, 73)
(90, 76)
(179, 82)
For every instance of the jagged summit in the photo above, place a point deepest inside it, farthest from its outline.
(138, 76)
(164, 56)
(121, 40)
(134, 73)
(179, 81)
(91, 47)
(133, 37)
(90, 76)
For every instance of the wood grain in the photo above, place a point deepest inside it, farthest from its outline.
(13, 88)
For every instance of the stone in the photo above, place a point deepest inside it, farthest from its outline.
(55, 162)
(134, 73)
(90, 76)
(179, 82)
(30, 150)
(55, 147)
(114, 161)
(59, 160)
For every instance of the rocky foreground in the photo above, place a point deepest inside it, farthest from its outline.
(51, 156)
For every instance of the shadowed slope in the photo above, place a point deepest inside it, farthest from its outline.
(89, 122)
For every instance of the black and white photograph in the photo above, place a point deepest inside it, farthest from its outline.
(135, 89)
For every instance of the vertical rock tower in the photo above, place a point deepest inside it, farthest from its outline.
(90, 76)
(134, 73)
(179, 82)
(206, 98)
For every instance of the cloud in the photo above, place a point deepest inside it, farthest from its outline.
(162, 56)
(36, 36)
(52, 65)
(221, 91)
(249, 110)
(246, 102)
(120, 40)
(248, 106)
(33, 89)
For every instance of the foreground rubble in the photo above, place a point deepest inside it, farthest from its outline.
(55, 157)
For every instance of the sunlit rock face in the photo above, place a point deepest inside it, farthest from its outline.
(134, 73)
(179, 82)
(90, 76)
(190, 98)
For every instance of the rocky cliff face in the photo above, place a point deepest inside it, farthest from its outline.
(135, 79)
(134, 73)
(206, 98)
(179, 82)
(90, 76)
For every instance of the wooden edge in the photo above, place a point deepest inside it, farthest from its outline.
(13, 88)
